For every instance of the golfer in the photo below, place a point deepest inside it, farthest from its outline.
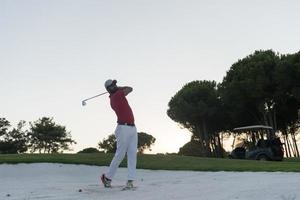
(126, 134)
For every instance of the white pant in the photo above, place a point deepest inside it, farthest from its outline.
(126, 143)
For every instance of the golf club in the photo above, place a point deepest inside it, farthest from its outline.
(84, 101)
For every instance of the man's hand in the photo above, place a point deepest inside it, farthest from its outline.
(126, 90)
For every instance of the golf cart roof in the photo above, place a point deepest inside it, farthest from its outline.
(254, 127)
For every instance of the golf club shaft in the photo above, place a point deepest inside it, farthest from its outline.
(95, 96)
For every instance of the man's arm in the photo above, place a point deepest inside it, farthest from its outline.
(126, 90)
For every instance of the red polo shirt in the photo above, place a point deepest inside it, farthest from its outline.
(119, 104)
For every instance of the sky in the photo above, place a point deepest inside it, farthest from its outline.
(55, 53)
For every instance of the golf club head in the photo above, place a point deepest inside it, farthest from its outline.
(83, 103)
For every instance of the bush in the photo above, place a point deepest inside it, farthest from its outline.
(192, 148)
(89, 150)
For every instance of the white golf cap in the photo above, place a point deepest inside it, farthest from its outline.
(109, 82)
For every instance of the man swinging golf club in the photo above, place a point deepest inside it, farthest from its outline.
(126, 134)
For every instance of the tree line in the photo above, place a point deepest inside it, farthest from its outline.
(262, 88)
(43, 136)
(46, 136)
(109, 144)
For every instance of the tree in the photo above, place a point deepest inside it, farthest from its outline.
(14, 141)
(248, 89)
(287, 76)
(45, 135)
(4, 125)
(109, 145)
(198, 108)
(145, 141)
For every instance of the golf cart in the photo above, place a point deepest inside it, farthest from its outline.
(260, 144)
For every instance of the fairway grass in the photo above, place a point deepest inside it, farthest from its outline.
(159, 162)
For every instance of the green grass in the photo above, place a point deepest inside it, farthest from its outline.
(160, 162)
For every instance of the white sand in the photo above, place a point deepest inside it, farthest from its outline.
(59, 182)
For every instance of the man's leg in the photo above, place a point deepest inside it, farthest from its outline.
(131, 154)
(120, 152)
